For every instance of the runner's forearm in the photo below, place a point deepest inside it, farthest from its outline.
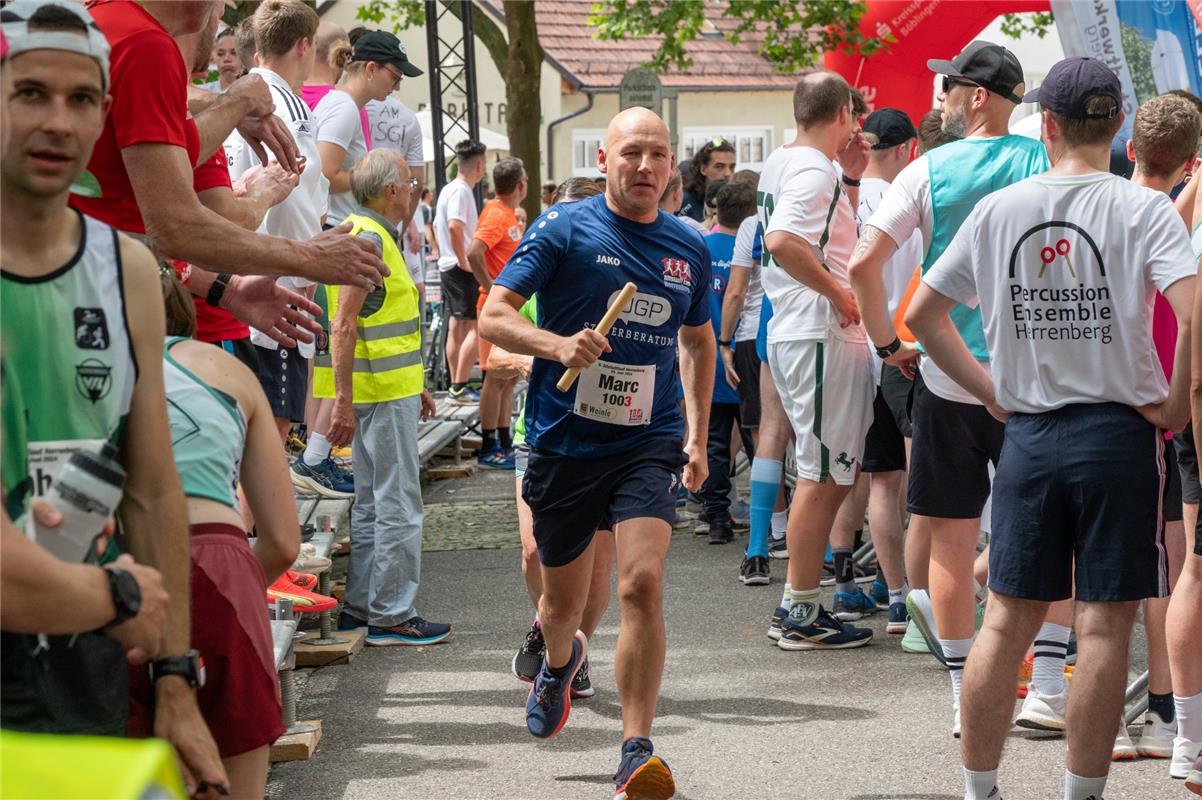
(501, 324)
(217, 121)
(928, 319)
(866, 273)
(697, 354)
(796, 257)
(733, 301)
(343, 335)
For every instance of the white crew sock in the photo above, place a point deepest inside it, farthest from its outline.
(317, 451)
(1051, 647)
(1078, 788)
(780, 523)
(1189, 717)
(807, 598)
(899, 595)
(980, 785)
(786, 600)
(956, 653)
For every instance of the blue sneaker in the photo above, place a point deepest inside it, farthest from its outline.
(899, 620)
(824, 633)
(349, 622)
(464, 397)
(498, 458)
(641, 774)
(413, 631)
(550, 703)
(880, 594)
(326, 479)
(851, 606)
(778, 616)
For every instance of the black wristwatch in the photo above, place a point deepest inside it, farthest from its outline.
(217, 290)
(852, 182)
(190, 666)
(889, 349)
(724, 344)
(127, 596)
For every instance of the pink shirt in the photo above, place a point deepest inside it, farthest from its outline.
(312, 96)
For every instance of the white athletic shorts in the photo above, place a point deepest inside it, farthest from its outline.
(827, 388)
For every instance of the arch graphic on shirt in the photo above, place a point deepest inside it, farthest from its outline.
(1053, 249)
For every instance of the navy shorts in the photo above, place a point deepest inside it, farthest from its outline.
(1080, 486)
(884, 447)
(571, 498)
(284, 375)
(897, 389)
(952, 446)
(1187, 465)
(1172, 485)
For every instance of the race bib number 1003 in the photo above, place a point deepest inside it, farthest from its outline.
(619, 394)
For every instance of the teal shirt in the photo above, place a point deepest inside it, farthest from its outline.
(962, 173)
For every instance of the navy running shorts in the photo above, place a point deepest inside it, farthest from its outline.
(1187, 464)
(897, 389)
(747, 366)
(571, 498)
(884, 447)
(1079, 487)
(952, 446)
(1172, 485)
(284, 375)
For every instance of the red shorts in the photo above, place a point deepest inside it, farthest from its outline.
(240, 700)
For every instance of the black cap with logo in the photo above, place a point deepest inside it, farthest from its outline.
(1072, 83)
(383, 46)
(989, 65)
(889, 127)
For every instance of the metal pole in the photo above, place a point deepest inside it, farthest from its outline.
(469, 78)
(434, 68)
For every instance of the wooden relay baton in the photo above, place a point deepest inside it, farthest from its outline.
(607, 322)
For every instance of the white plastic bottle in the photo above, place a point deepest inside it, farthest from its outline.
(87, 493)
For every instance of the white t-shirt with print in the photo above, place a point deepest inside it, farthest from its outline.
(394, 127)
(298, 216)
(339, 123)
(901, 265)
(744, 258)
(796, 191)
(1065, 269)
(455, 201)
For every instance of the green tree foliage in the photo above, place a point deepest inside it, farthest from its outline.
(1018, 25)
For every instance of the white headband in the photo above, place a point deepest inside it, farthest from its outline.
(15, 17)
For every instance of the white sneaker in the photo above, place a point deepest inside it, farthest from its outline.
(1043, 712)
(1193, 781)
(1185, 753)
(1124, 748)
(956, 723)
(1157, 738)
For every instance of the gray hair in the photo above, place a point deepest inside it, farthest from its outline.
(374, 173)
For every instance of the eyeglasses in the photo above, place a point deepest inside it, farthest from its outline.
(412, 183)
(948, 83)
(396, 76)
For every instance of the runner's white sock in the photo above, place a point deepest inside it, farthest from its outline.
(317, 450)
(980, 785)
(956, 653)
(1189, 717)
(780, 523)
(1051, 647)
(1078, 788)
(899, 595)
(806, 597)
(786, 601)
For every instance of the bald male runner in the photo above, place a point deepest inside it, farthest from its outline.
(608, 452)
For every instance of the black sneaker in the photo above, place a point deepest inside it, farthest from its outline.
(754, 571)
(413, 631)
(721, 532)
(778, 548)
(529, 658)
(582, 684)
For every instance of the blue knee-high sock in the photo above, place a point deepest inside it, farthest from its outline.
(765, 483)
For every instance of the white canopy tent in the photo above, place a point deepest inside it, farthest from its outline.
(491, 139)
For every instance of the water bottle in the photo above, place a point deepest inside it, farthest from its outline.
(86, 493)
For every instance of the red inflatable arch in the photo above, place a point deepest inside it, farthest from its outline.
(923, 29)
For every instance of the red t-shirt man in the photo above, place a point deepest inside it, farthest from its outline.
(215, 325)
(148, 83)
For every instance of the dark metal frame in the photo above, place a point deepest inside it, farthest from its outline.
(452, 66)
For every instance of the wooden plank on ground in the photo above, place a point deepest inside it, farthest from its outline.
(297, 746)
(309, 655)
(464, 470)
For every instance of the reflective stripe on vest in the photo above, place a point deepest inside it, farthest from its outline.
(388, 361)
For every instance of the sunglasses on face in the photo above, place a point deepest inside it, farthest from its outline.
(948, 83)
(396, 76)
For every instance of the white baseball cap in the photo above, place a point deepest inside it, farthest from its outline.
(14, 21)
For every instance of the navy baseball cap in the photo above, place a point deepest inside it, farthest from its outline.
(890, 127)
(384, 47)
(1072, 83)
(985, 64)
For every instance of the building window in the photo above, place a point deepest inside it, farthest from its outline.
(584, 153)
(752, 144)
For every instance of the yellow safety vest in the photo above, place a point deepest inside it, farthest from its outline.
(388, 357)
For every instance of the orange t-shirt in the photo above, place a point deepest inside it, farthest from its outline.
(498, 229)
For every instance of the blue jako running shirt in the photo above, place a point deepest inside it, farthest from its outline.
(577, 257)
(722, 249)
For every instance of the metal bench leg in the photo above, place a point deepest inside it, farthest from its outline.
(326, 635)
(1137, 693)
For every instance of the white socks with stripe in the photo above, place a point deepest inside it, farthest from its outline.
(980, 785)
(956, 653)
(1051, 647)
(1078, 788)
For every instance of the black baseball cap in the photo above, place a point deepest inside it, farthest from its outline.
(384, 47)
(890, 126)
(985, 64)
(1072, 82)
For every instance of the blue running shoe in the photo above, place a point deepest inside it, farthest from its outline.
(464, 397)
(899, 620)
(851, 606)
(777, 617)
(413, 631)
(824, 633)
(880, 594)
(642, 775)
(498, 458)
(326, 479)
(549, 702)
(349, 622)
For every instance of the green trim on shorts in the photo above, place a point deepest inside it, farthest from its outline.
(819, 371)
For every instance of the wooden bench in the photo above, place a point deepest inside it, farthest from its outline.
(434, 435)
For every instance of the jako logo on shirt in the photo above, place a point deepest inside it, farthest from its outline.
(645, 309)
(1058, 289)
(612, 261)
(677, 274)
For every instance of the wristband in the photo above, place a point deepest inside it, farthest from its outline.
(724, 343)
(217, 290)
(852, 182)
(889, 349)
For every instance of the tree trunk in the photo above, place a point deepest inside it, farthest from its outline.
(523, 83)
